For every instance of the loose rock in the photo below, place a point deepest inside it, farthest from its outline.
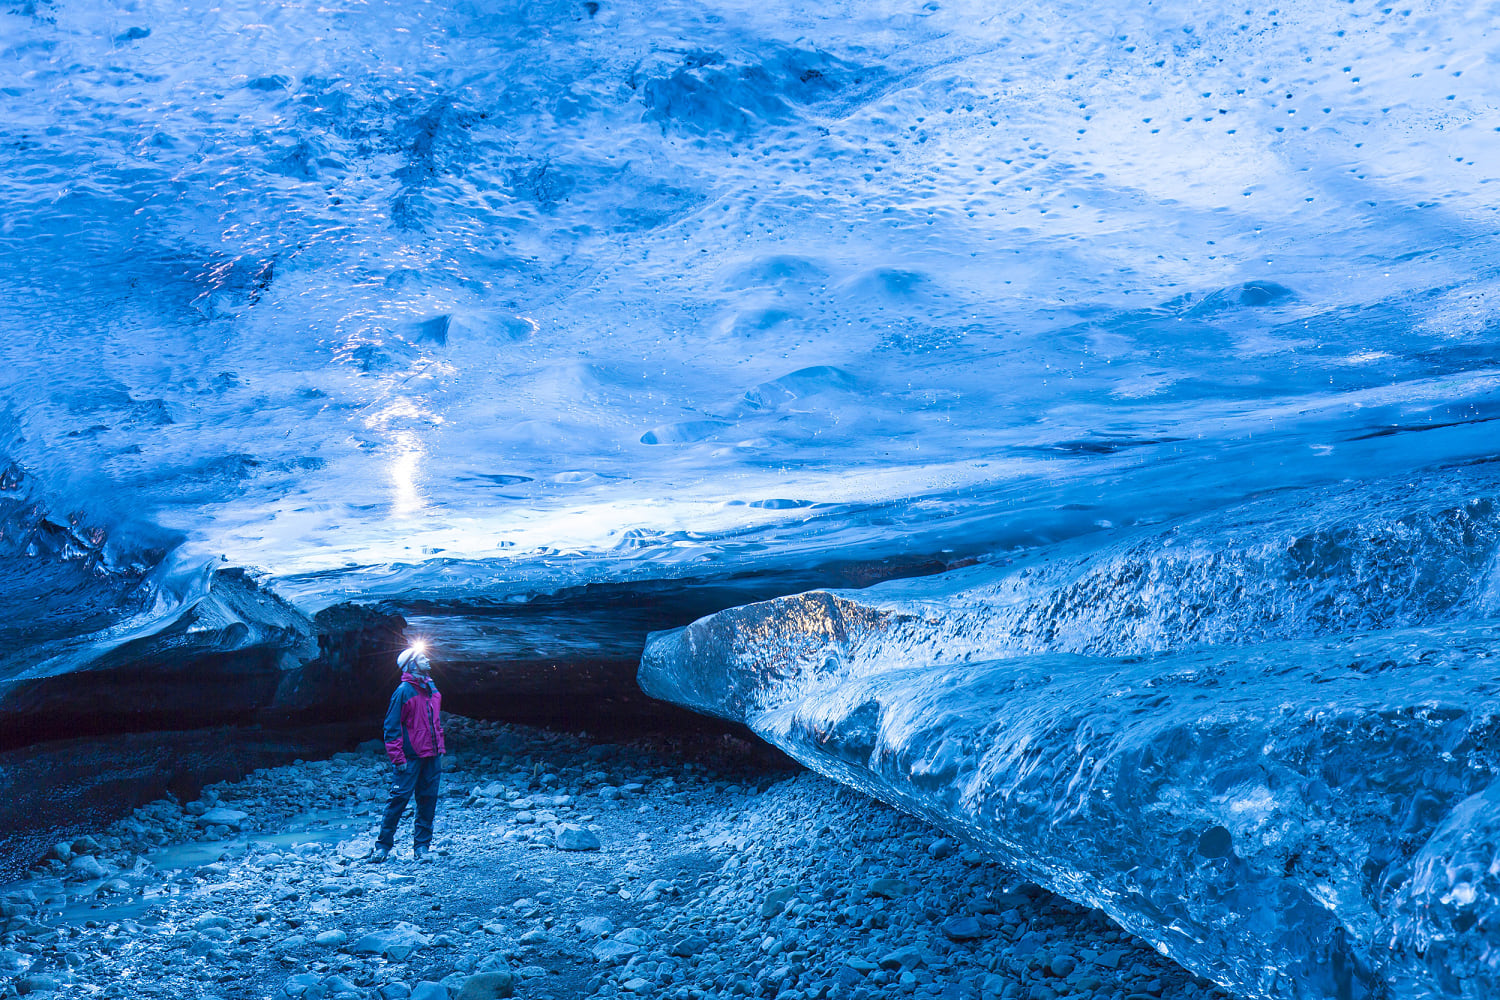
(570, 837)
(724, 885)
(488, 986)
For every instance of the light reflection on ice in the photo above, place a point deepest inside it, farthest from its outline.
(848, 242)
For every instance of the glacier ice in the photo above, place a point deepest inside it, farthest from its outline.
(1166, 327)
(587, 290)
(1264, 741)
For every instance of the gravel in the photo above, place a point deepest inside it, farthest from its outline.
(563, 868)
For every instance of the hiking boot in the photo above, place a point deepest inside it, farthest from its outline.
(419, 853)
(378, 855)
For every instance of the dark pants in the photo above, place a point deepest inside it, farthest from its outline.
(422, 776)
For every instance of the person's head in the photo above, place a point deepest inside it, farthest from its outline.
(414, 660)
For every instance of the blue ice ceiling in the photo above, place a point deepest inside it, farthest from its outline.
(317, 288)
(539, 326)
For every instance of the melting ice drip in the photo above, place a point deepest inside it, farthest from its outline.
(1314, 812)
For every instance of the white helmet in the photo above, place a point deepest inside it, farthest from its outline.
(414, 657)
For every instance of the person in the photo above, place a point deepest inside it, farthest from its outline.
(414, 743)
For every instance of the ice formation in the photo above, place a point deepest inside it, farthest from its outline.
(1285, 802)
(1167, 327)
(383, 296)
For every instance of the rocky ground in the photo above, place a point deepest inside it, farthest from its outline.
(563, 868)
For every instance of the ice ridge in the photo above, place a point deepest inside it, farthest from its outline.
(1287, 784)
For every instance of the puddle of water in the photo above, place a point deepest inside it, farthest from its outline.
(106, 911)
(193, 855)
(75, 902)
(320, 827)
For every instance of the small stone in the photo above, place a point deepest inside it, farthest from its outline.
(429, 990)
(909, 957)
(890, 888)
(212, 920)
(776, 901)
(87, 845)
(331, 939)
(220, 816)
(400, 991)
(962, 929)
(689, 946)
(338, 985)
(596, 926)
(638, 986)
(299, 984)
(861, 965)
(533, 938)
(613, 951)
(396, 944)
(941, 848)
(86, 867)
(1061, 965)
(37, 984)
(635, 936)
(572, 837)
(488, 986)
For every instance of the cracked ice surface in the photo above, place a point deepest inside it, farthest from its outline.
(1190, 730)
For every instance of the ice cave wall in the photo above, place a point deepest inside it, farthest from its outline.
(1264, 740)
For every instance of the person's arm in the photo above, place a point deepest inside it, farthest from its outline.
(437, 707)
(394, 736)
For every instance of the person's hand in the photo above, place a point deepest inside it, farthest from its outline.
(401, 767)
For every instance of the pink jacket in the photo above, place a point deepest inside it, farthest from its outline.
(414, 722)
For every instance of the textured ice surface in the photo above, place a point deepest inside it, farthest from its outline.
(586, 290)
(1287, 803)
(1307, 819)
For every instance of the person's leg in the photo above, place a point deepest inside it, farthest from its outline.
(401, 788)
(427, 787)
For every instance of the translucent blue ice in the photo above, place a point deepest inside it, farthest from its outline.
(335, 287)
(1263, 740)
(1177, 320)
